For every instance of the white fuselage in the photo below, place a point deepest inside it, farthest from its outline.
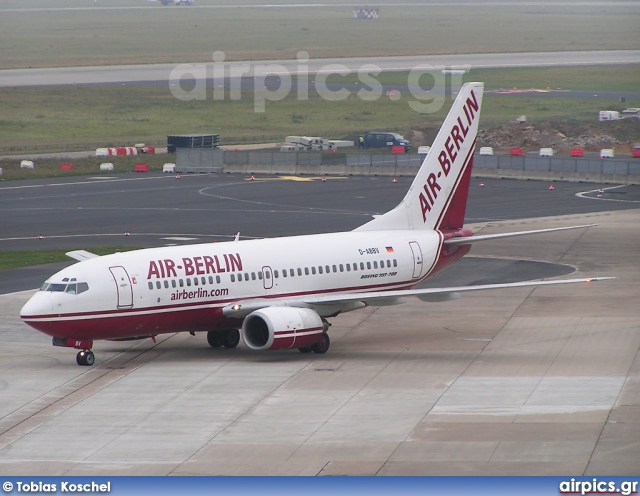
(148, 292)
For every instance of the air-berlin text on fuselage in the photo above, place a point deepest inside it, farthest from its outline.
(447, 156)
(195, 266)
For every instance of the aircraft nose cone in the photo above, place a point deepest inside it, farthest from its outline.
(39, 304)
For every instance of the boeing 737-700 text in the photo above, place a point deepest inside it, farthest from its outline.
(278, 293)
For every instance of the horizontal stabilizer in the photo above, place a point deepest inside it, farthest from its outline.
(473, 239)
(81, 255)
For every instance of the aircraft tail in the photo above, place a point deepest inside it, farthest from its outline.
(437, 198)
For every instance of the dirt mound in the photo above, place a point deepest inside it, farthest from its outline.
(559, 135)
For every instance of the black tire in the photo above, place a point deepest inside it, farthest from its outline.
(231, 338)
(322, 346)
(89, 358)
(86, 358)
(215, 339)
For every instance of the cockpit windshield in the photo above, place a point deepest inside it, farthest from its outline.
(68, 285)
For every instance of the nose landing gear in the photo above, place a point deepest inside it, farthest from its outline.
(85, 357)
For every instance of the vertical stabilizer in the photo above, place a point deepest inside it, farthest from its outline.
(437, 198)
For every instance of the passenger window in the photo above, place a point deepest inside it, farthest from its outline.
(348, 267)
(173, 283)
(335, 269)
(253, 276)
(284, 273)
(299, 271)
(313, 270)
(210, 279)
(342, 268)
(246, 276)
(158, 285)
(275, 274)
(306, 271)
(240, 276)
(292, 273)
(361, 265)
(218, 279)
(260, 275)
(195, 281)
(388, 263)
(82, 287)
(150, 285)
(188, 282)
(166, 284)
(233, 278)
(203, 280)
(181, 283)
(267, 275)
(395, 262)
(355, 266)
(375, 264)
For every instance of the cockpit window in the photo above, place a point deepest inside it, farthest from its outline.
(69, 288)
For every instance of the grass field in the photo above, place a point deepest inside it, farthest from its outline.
(152, 33)
(125, 115)
(16, 259)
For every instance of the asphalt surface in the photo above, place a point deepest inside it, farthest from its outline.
(528, 381)
(154, 209)
(263, 68)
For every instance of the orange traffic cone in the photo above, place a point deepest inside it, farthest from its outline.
(394, 180)
(551, 187)
(177, 176)
(252, 177)
(482, 185)
(324, 179)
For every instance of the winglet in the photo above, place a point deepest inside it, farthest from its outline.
(81, 255)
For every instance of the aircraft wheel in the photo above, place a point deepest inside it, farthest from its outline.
(85, 358)
(231, 338)
(214, 338)
(322, 346)
(305, 350)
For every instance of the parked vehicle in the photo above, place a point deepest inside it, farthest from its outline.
(385, 140)
(516, 152)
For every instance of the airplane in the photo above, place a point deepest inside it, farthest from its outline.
(279, 293)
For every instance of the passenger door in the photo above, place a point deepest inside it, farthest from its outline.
(123, 286)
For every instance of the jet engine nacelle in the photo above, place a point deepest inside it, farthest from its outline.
(282, 328)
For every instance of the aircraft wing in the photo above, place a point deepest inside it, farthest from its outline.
(81, 255)
(472, 239)
(435, 294)
(384, 298)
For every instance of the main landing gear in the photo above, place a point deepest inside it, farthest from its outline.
(229, 338)
(85, 357)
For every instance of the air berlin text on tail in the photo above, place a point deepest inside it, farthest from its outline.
(448, 155)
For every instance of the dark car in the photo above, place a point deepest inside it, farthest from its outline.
(385, 140)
